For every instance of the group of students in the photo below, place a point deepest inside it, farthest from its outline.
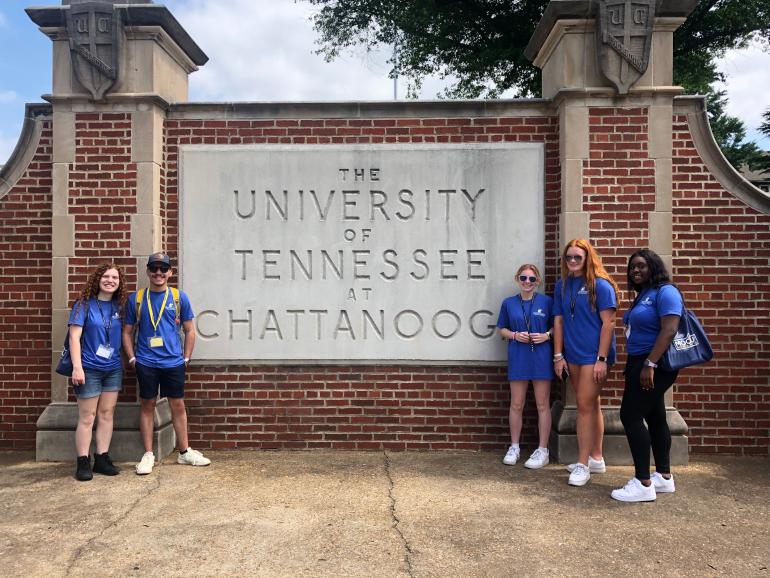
(572, 336)
(144, 327)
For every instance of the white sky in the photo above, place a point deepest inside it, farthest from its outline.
(263, 50)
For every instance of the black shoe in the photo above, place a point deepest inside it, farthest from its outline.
(103, 465)
(83, 472)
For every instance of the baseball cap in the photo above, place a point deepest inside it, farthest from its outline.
(161, 258)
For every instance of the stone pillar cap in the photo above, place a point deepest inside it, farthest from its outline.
(133, 13)
(584, 9)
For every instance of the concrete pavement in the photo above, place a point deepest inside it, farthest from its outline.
(325, 513)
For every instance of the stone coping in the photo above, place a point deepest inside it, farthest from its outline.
(26, 146)
(694, 107)
(362, 109)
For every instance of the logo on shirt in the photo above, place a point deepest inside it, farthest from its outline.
(583, 291)
(170, 307)
(116, 315)
(647, 301)
(539, 313)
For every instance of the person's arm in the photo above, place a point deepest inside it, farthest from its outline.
(78, 375)
(605, 340)
(668, 328)
(128, 343)
(506, 333)
(559, 363)
(189, 339)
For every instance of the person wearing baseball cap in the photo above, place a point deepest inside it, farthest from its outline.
(159, 356)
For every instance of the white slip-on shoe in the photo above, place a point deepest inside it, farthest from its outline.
(579, 476)
(511, 456)
(146, 464)
(192, 458)
(634, 491)
(538, 459)
(663, 485)
(594, 466)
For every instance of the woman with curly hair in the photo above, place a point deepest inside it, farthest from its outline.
(97, 374)
(585, 300)
(651, 324)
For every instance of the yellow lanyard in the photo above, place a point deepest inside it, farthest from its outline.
(160, 313)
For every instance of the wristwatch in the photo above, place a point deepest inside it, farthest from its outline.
(648, 363)
(601, 358)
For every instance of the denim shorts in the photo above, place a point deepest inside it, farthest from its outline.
(97, 382)
(169, 379)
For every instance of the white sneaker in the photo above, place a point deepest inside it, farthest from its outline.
(663, 485)
(512, 456)
(594, 466)
(146, 464)
(192, 458)
(634, 491)
(538, 459)
(580, 475)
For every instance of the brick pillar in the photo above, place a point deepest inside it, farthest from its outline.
(107, 167)
(616, 163)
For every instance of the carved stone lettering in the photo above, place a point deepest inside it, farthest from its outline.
(357, 253)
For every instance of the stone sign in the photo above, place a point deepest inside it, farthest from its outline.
(356, 253)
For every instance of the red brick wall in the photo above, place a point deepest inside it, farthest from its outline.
(721, 255)
(25, 300)
(722, 263)
(357, 407)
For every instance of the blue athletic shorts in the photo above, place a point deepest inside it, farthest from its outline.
(170, 380)
(97, 382)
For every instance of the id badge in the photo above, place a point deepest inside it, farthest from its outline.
(156, 341)
(104, 351)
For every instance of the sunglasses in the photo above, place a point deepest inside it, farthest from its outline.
(156, 268)
(525, 278)
(576, 258)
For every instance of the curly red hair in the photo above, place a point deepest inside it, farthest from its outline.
(91, 287)
(592, 269)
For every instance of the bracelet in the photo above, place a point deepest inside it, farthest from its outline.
(132, 360)
(187, 360)
(514, 335)
(558, 357)
(649, 363)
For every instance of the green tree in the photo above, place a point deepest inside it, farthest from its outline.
(480, 43)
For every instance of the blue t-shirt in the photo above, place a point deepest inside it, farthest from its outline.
(582, 325)
(642, 322)
(170, 354)
(524, 363)
(102, 329)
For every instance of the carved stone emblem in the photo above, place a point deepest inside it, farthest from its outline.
(624, 30)
(93, 29)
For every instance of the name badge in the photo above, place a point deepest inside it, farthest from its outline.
(104, 351)
(156, 341)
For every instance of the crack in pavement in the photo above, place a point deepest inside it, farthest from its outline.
(395, 520)
(81, 549)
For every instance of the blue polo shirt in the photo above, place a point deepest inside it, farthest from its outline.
(582, 325)
(642, 322)
(103, 327)
(170, 354)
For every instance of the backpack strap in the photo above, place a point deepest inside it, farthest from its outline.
(175, 295)
(139, 299)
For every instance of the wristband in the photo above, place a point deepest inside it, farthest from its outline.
(558, 357)
(602, 358)
(132, 360)
(649, 363)
(187, 360)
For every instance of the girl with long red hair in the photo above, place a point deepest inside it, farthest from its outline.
(585, 301)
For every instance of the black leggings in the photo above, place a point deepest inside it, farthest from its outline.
(640, 405)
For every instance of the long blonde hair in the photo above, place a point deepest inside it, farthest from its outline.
(592, 267)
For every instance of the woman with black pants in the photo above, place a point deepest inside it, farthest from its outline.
(651, 324)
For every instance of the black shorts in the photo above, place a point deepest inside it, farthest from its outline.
(170, 380)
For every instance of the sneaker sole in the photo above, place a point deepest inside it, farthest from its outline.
(601, 470)
(578, 484)
(632, 501)
(194, 465)
(536, 466)
(664, 490)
